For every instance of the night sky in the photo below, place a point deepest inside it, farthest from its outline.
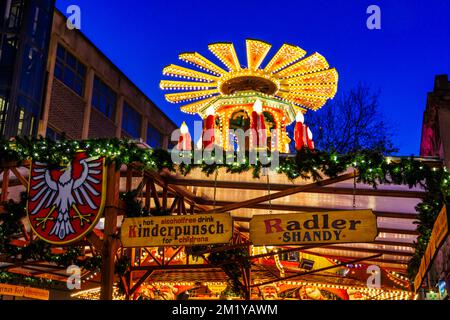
(401, 59)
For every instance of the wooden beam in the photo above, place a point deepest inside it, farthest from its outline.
(174, 255)
(281, 187)
(282, 194)
(129, 179)
(338, 257)
(381, 259)
(174, 204)
(155, 195)
(109, 247)
(273, 253)
(160, 179)
(394, 243)
(5, 184)
(175, 267)
(277, 207)
(22, 180)
(148, 194)
(398, 231)
(141, 186)
(140, 281)
(95, 241)
(369, 250)
(164, 198)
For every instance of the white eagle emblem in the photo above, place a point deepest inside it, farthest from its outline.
(78, 185)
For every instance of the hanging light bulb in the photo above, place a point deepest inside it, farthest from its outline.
(300, 118)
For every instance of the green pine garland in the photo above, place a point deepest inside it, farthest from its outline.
(37, 250)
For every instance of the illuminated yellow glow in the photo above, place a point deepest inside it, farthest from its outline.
(200, 61)
(284, 57)
(188, 96)
(225, 52)
(256, 52)
(303, 82)
(313, 63)
(177, 71)
(185, 85)
(289, 83)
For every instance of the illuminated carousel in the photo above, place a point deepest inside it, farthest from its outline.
(253, 97)
(215, 251)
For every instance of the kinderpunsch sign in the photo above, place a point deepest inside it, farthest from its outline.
(314, 228)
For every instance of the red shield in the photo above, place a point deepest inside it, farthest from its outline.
(65, 203)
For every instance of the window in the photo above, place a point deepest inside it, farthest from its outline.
(26, 114)
(33, 67)
(104, 98)
(154, 137)
(3, 109)
(26, 123)
(70, 71)
(131, 121)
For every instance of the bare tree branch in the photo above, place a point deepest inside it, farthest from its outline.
(351, 122)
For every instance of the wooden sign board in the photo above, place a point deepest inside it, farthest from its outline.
(314, 228)
(177, 230)
(27, 292)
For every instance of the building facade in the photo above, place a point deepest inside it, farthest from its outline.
(435, 140)
(75, 89)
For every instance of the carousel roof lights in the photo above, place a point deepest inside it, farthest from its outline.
(288, 76)
(225, 52)
(200, 61)
(256, 52)
(284, 57)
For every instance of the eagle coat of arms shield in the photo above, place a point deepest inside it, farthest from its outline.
(64, 204)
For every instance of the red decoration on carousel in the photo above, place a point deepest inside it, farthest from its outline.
(184, 141)
(65, 203)
(302, 134)
(258, 126)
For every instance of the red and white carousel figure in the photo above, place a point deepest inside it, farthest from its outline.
(258, 126)
(303, 136)
(208, 135)
(184, 140)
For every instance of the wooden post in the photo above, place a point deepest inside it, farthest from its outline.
(129, 178)
(148, 194)
(247, 277)
(109, 241)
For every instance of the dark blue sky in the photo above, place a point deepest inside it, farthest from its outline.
(401, 60)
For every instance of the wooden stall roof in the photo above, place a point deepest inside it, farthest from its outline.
(394, 206)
